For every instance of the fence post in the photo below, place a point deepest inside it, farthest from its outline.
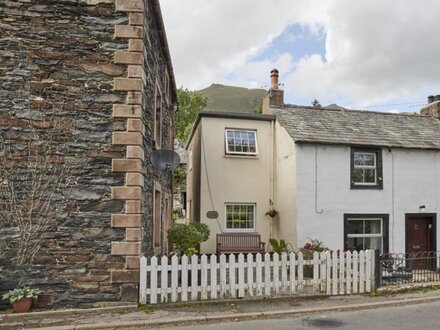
(377, 270)
(143, 281)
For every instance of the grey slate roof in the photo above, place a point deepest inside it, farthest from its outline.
(356, 127)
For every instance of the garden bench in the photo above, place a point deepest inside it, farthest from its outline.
(239, 243)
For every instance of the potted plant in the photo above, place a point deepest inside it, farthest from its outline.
(272, 211)
(21, 299)
(309, 248)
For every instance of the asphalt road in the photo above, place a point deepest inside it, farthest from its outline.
(419, 316)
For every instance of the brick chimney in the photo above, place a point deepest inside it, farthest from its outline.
(274, 96)
(432, 108)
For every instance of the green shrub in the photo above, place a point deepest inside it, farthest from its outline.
(186, 238)
(202, 228)
(278, 247)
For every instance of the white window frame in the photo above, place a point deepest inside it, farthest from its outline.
(228, 152)
(367, 167)
(254, 205)
(368, 235)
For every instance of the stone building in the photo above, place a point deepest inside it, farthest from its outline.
(89, 82)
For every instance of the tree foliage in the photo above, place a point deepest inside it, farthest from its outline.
(316, 104)
(190, 104)
(186, 238)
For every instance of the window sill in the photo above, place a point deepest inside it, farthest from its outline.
(366, 187)
(241, 156)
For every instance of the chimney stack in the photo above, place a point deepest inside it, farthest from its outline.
(432, 108)
(274, 78)
(275, 96)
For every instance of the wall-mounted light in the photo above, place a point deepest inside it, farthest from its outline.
(422, 208)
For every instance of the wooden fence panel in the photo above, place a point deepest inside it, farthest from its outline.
(202, 278)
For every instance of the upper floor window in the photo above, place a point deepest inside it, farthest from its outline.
(241, 142)
(366, 168)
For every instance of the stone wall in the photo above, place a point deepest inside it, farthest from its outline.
(78, 62)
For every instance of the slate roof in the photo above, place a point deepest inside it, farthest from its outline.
(357, 127)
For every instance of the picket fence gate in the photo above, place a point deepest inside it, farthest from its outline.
(202, 278)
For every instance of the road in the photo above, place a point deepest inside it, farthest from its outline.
(419, 316)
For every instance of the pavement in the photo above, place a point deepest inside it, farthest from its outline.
(180, 314)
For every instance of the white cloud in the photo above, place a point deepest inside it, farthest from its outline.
(375, 50)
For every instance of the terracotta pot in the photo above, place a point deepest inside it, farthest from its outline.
(22, 305)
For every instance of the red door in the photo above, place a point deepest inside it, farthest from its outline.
(418, 241)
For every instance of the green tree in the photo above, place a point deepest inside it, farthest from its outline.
(190, 104)
(316, 104)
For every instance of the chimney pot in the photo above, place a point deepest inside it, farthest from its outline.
(274, 78)
(430, 99)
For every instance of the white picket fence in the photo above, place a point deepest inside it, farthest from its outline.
(203, 278)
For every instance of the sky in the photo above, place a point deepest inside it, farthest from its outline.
(368, 54)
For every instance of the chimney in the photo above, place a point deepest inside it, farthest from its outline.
(274, 96)
(274, 79)
(432, 108)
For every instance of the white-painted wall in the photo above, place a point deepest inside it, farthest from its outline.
(285, 184)
(233, 179)
(416, 182)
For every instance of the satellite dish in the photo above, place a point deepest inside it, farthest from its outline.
(164, 159)
(212, 214)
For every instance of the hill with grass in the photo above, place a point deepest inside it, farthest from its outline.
(233, 99)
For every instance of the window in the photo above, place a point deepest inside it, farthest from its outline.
(240, 142)
(366, 168)
(157, 117)
(240, 216)
(362, 232)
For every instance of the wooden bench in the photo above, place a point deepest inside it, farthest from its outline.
(239, 243)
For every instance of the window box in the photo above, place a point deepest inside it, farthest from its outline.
(366, 168)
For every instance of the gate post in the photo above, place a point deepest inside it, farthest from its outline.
(377, 269)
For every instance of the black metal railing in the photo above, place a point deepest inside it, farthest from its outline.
(397, 268)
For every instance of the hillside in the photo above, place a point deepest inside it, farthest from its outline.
(233, 99)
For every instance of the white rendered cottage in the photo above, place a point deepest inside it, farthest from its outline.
(352, 179)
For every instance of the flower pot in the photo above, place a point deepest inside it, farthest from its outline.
(22, 305)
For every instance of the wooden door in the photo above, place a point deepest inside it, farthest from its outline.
(418, 241)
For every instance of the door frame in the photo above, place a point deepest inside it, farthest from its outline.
(432, 221)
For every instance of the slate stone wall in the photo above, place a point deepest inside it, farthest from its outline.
(57, 64)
